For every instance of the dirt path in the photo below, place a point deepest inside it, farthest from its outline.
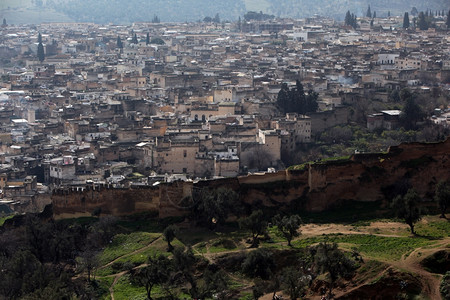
(118, 275)
(131, 253)
(409, 262)
(116, 279)
(412, 261)
(387, 229)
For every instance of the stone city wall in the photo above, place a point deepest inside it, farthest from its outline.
(319, 186)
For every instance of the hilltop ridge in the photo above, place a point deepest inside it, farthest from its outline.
(121, 12)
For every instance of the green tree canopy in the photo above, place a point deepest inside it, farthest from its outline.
(330, 260)
(288, 226)
(448, 20)
(88, 261)
(155, 272)
(256, 224)
(119, 42)
(40, 49)
(156, 19)
(170, 234)
(259, 263)
(412, 112)
(444, 287)
(134, 39)
(350, 20)
(213, 206)
(216, 18)
(442, 196)
(407, 208)
(369, 12)
(157, 41)
(184, 261)
(294, 282)
(216, 284)
(422, 22)
(406, 20)
(295, 99)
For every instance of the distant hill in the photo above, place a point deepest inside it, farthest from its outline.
(337, 8)
(119, 11)
(125, 12)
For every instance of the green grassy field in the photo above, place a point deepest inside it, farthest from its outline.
(131, 249)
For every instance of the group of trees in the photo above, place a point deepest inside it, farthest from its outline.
(412, 113)
(256, 223)
(40, 258)
(179, 273)
(369, 13)
(252, 15)
(350, 20)
(211, 207)
(216, 19)
(325, 258)
(407, 206)
(424, 20)
(295, 99)
(156, 19)
(135, 40)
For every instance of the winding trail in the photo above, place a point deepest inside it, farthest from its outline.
(409, 262)
(117, 276)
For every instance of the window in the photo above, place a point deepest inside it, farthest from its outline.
(184, 153)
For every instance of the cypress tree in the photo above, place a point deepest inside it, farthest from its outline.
(119, 42)
(348, 18)
(40, 49)
(369, 13)
(354, 21)
(422, 22)
(406, 20)
(134, 40)
(147, 40)
(448, 20)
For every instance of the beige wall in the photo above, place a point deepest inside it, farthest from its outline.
(226, 168)
(224, 95)
(178, 158)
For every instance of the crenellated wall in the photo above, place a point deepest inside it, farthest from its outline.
(321, 185)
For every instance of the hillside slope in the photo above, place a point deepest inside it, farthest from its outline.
(125, 12)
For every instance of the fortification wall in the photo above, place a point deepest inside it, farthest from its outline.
(112, 201)
(364, 177)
